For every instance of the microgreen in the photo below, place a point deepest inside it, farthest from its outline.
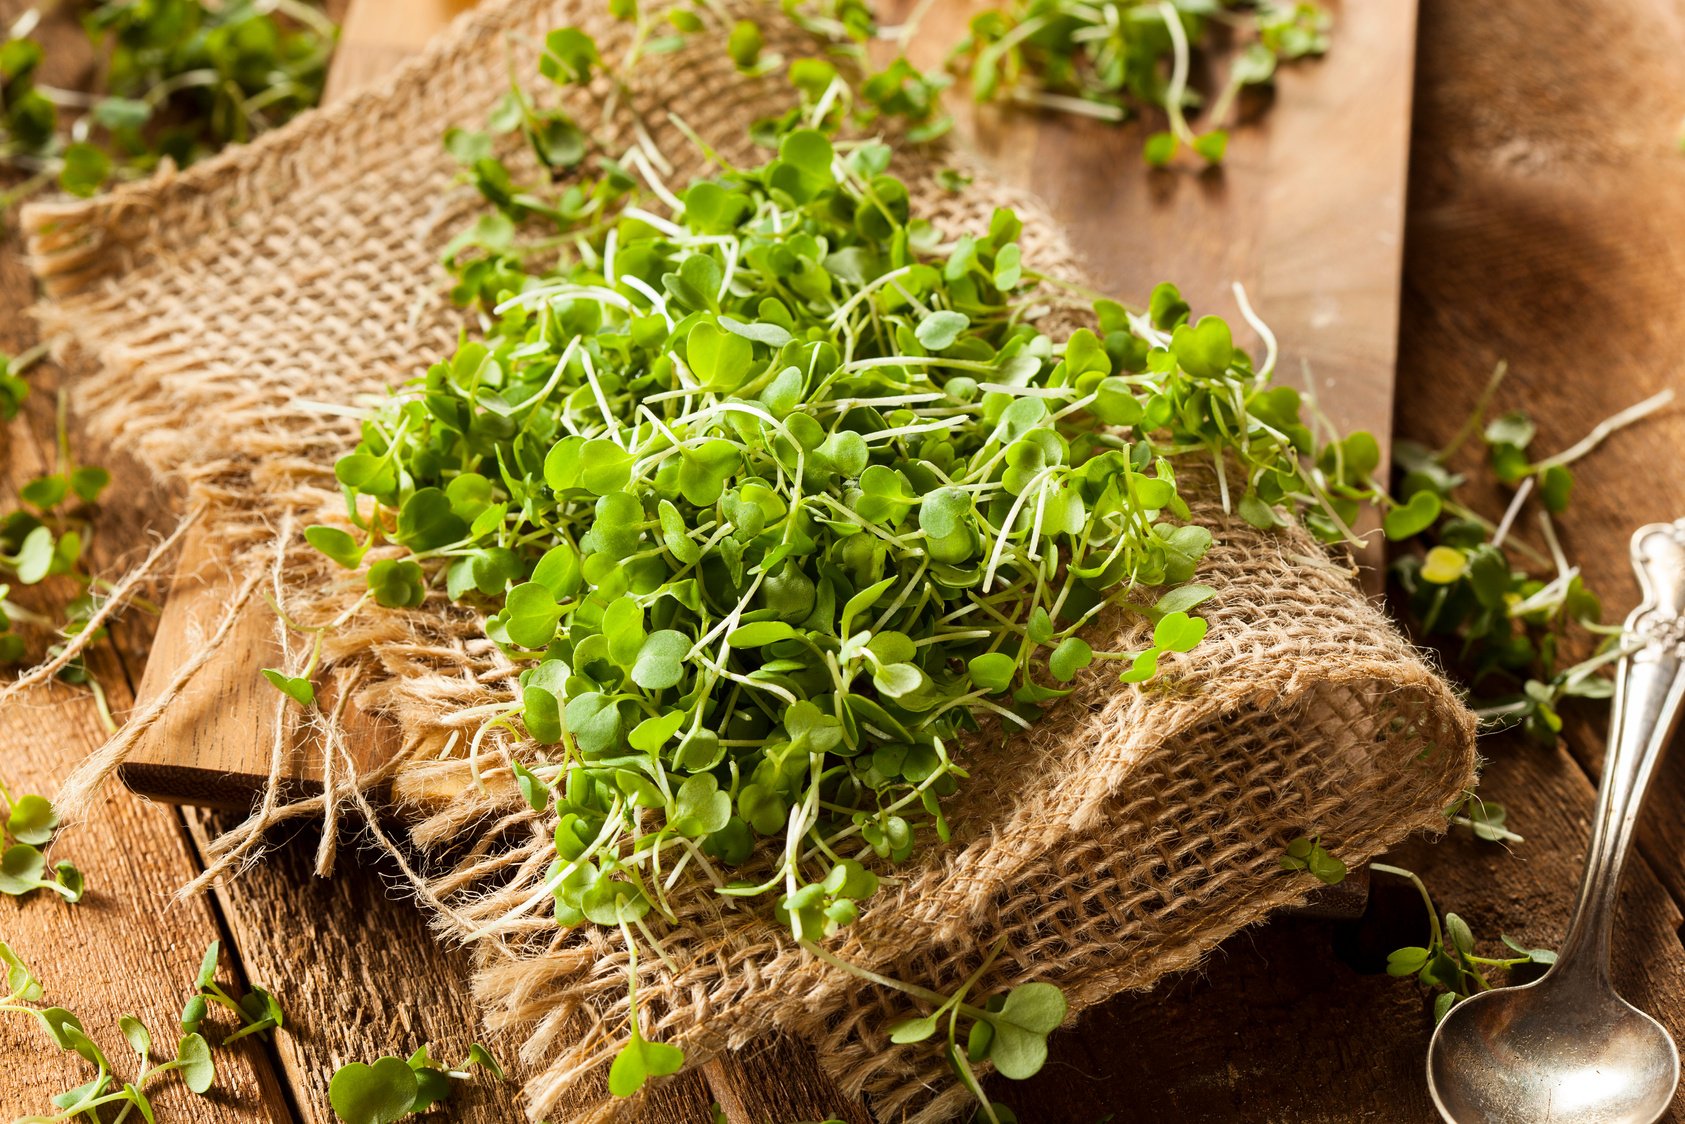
(391, 1088)
(1507, 612)
(299, 688)
(257, 1010)
(44, 541)
(1008, 1030)
(1307, 853)
(1448, 964)
(180, 79)
(1119, 58)
(29, 824)
(1474, 586)
(192, 1061)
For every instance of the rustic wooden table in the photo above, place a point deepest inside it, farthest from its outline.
(1547, 200)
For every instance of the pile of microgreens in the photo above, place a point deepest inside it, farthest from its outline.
(29, 825)
(191, 1062)
(1114, 59)
(180, 79)
(774, 494)
(395, 1087)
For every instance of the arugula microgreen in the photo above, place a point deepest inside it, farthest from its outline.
(1307, 853)
(192, 1061)
(46, 537)
(258, 1011)
(1115, 59)
(1448, 963)
(1474, 585)
(181, 79)
(29, 825)
(1009, 1031)
(392, 1087)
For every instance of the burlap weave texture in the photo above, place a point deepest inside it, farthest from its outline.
(226, 309)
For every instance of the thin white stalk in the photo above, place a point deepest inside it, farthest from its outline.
(1607, 426)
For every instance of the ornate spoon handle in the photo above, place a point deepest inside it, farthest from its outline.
(1649, 688)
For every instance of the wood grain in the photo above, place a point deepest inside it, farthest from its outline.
(129, 946)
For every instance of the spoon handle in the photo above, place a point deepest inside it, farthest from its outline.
(1649, 687)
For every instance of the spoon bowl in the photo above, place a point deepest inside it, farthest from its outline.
(1558, 1049)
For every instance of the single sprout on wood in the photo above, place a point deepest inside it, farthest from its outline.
(393, 1087)
(29, 826)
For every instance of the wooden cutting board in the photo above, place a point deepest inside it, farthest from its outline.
(1307, 213)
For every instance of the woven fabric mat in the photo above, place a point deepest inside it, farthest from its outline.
(215, 310)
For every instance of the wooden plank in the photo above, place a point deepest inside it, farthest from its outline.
(375, 37)
(775, 1081)
(192, 756)
(129, 946)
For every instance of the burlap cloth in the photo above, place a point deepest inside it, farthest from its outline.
(216, 311)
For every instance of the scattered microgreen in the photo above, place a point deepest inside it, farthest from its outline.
(393, 1087)
(1448, 964)
(1117, 59)
(1485, 818)
(29, 824)
(1473, 586)
(45, 538)
(1515, 620)
(192, 1061)
(299, 688)
(179, 80)
(1307, 853)
(257, 1010)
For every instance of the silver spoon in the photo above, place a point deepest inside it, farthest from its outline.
(1566, 1047)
